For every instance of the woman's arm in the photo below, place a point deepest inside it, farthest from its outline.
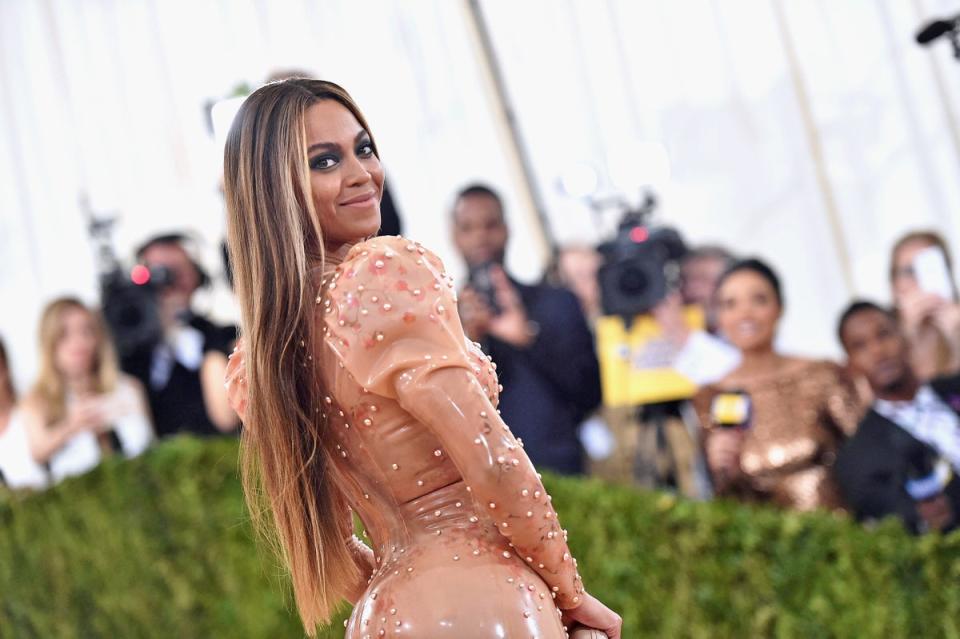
(451, 403)
(46, 440)
(215, 399)
(133, 424)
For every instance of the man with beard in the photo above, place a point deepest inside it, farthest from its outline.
(536, 334)
(907, 447)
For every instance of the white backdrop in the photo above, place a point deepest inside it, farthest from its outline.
(810, 133)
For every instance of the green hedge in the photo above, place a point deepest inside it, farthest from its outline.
(160, 547)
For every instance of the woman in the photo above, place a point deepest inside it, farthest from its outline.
(360, 394)
(17, 468)
(8, 396)
(801, 409)
(80, 398)
(930, 321)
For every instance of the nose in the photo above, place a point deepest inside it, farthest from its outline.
(355, 173)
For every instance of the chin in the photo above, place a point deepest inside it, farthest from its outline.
(753, 344)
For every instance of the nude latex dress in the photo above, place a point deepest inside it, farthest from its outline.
(465, 539)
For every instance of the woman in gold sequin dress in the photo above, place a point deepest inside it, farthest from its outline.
(360, 393)
(802, 410)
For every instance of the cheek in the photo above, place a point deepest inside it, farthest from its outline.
(375, 169)
(324, 189)
(771, 314)
(64, 354)
(725, 317)
(904, 285)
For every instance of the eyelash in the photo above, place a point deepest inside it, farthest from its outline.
(364, 150)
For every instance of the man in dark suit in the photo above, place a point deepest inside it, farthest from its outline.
(537, 336)
(907, 448)
(183, 372)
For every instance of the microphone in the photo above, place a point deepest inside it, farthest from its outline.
(936, 29)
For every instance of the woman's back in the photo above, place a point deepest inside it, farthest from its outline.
(442, 486)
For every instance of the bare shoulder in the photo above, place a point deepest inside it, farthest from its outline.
(824, 367)
(31, 403)
(32, 409)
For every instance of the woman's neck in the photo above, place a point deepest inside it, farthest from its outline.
(761, 361)
(333, 255)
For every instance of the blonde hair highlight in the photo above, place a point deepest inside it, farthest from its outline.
(49, 393)
(274, 239)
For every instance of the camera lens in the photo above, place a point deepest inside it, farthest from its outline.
(633, 280)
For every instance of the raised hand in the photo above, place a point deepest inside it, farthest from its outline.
(512, 324)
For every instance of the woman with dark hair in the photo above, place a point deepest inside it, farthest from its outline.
(793, 412)
(930, 318)
(360, 393)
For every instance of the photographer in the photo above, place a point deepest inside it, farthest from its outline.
(183, 372)
(925, 297)
(702, 356)
(536, 334)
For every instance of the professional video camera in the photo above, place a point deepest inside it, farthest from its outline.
(641, 263)
(129, 299)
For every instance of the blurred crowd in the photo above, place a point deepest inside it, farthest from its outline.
(90, 401)
(875, 435)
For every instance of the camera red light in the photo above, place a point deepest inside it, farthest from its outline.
(140, 275)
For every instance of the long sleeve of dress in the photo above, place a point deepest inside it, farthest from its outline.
(391, 319)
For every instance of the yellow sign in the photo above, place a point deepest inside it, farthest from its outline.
(635, 364)
(730, 409)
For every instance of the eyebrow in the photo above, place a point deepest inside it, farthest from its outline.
(334, 145)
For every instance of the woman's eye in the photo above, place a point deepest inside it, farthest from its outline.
(323, 162)
(365, 150)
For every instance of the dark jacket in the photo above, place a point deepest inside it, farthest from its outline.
(872, 467)
(178, 407)
(552, 385)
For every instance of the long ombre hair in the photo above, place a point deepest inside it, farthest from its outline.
(275, 239)
(50, 391)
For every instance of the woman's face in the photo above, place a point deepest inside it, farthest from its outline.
(904, 278)
(748, 311)
(346, 179)
(76, 347)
